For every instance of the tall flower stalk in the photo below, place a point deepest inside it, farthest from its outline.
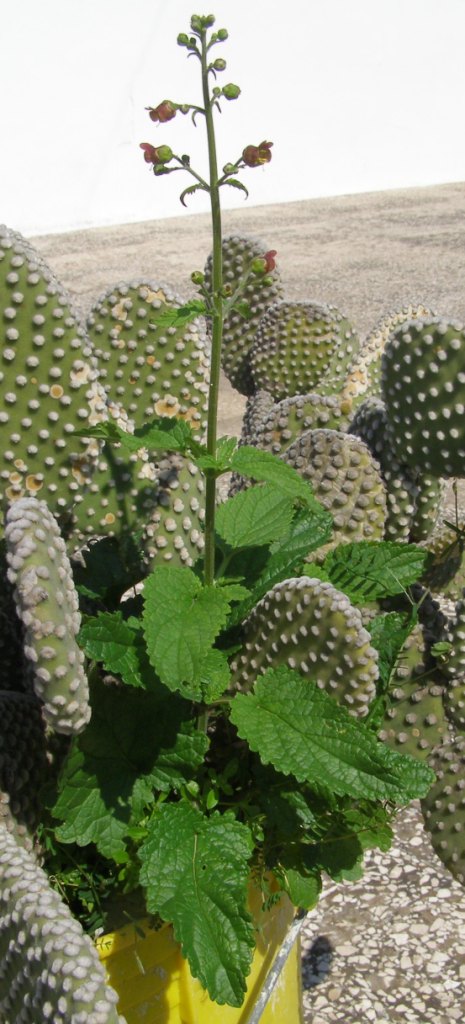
(215, 300)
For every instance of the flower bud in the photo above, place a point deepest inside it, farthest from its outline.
(209, 20)
(156, 155)
(164, 112)
(231, 91)
(219, 64)
(183, 40)
(222, 34)
(197, 277)
(264, 264)
(254, 156)
(229, 168)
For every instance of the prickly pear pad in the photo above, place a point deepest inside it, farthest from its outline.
(47, 604)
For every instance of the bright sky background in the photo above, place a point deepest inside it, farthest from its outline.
(356, 95)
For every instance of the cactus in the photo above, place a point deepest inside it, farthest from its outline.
(49, 970)
(444, 806)
(301, 347)
(149, 369)
(49, 383)
(173, 531)
(415, 721)
(364, 373)
(291, 417)
(446, 572)
(423, 386)
(47, 605)
(239, 332)
(23, 761)
(370, 424)
(345, 479)
(307, 624)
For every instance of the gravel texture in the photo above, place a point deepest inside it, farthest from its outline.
(390, 948)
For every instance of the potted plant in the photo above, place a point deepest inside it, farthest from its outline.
(216, 713)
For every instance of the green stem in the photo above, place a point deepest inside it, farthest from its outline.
(217, 324)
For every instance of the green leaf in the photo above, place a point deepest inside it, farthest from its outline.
(256, 516)
(119, 646)
(308, 531)
(214, 675)
(264, 466)
(166, 434)
(183, 315)
(388, 634)
(181, 620)
(191, 188)
(236, 184)
(163, 434)
(303, 889)
(195, 870)
(135, 742)
(302, 731)
(370, 570)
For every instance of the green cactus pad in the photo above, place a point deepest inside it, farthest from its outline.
(415, 721)
(47, 604)
(238, 331)
(364, 373)
(345, 479)
(256, 410)
(423, 386)
(446, 572)
(370, 424)
(174, 531)
(444, 806)
(49, 969)
(454, 667)
(429, 496)
(294, 416)
(310, 626)
(23, 756)
(150, 369)
(301, 347)
(49, 383)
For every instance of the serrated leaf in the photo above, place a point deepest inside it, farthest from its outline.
(163, 434)
(120, 648)
(236, 184)
(195, 871)
(135, 742)
(191, 188)
(302, 731)
(388, 634)
(183, 315)
(181, 620)
(256, 516)
(303, 889)
(262, 465)
(215, 674)
(370, 570)
(308, 531)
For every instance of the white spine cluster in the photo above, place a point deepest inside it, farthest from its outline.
(49, 969)
(47, 604)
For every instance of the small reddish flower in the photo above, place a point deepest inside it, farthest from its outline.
(164, 112)
(270, 261)
(254, 156)
(156, 155)
(264, 264)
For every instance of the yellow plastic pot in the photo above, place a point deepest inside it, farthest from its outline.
(155, 985)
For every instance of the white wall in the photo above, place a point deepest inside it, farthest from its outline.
(357, 95)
